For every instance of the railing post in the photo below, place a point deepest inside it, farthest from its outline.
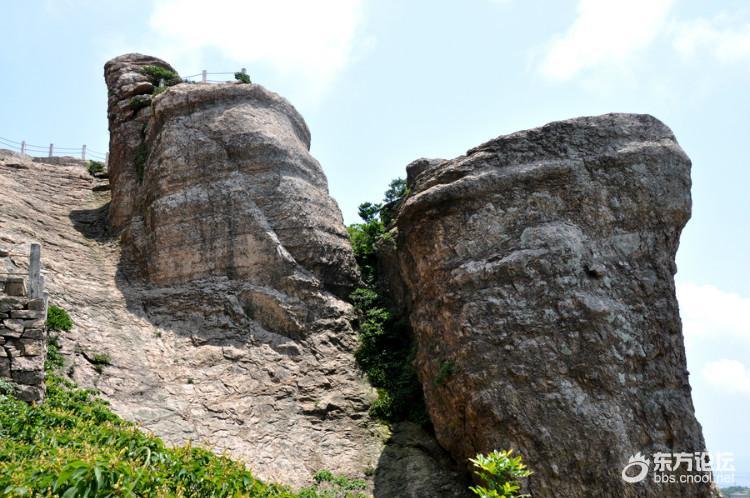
(23, 146)
(35, 273)
(51, 149)
(204, 73)
(83, 152)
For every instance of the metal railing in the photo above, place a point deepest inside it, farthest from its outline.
(205, 74)
(28, 149)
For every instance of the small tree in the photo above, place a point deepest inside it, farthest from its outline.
(242, 77)
(501, 473)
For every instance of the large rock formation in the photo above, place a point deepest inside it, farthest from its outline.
(214, 180)
(226, 219)
(540, 273)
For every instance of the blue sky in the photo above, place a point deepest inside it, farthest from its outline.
(384, 82)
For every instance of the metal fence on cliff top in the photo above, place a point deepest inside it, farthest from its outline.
(83, 151)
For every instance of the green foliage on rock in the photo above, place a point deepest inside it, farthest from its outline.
(157, 74)
(386, 351)
(139, 102)
(95, 167)
(242, 77)
(58, 319)
(501, 474)
(73, 445)
(54, 359)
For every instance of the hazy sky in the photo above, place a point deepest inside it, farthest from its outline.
(384, 82)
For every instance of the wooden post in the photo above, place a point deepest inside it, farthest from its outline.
(23, 146)
(35, 273)
(51, 149)
(83, 152)
(204, 73)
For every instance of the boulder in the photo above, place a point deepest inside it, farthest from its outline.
(539, 269)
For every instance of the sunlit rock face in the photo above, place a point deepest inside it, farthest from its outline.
(234, 250)
(539, 269)
(218, 180)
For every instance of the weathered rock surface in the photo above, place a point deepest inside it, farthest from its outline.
(237, 249)
(251, 353)
(188, 361)
(227, 184)
(540, 273)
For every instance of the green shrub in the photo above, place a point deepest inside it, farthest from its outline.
(501, 473)
(158, 74)
(7, 388)
(58, 319)
(242, 77)
(54, 359)
(95, 167)
(386, 352)
(139, 102)
(74, 445)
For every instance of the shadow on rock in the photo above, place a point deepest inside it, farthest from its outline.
(413, 465)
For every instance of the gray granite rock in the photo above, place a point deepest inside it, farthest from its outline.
(540, 273)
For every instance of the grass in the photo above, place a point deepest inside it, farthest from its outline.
(73, 445)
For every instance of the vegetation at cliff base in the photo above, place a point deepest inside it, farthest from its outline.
(501, 473)
(386, 351)
(73, 445)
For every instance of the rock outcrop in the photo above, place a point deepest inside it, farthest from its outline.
(214, 180)
(228, 228)
(540, 273)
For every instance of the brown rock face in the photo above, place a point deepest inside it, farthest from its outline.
(540, 268)
(217, 180)
(236, 253)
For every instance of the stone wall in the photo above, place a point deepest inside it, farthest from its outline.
(23, 337)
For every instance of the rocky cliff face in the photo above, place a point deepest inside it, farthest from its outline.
(214, 180)
(540, 273)
(238, 249)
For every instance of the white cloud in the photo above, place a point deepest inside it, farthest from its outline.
(311, 40)
(604, 32)
(715, 36)
(728, 375)
(711, 313)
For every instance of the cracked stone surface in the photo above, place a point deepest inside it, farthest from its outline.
(539, 269)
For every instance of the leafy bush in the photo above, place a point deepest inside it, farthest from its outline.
(95, 167)
(58, 319)
(242, 77)
(7, 388)
(158, 74)
(54, 359)
(74, 445)
(385, 352)
(502, 474)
